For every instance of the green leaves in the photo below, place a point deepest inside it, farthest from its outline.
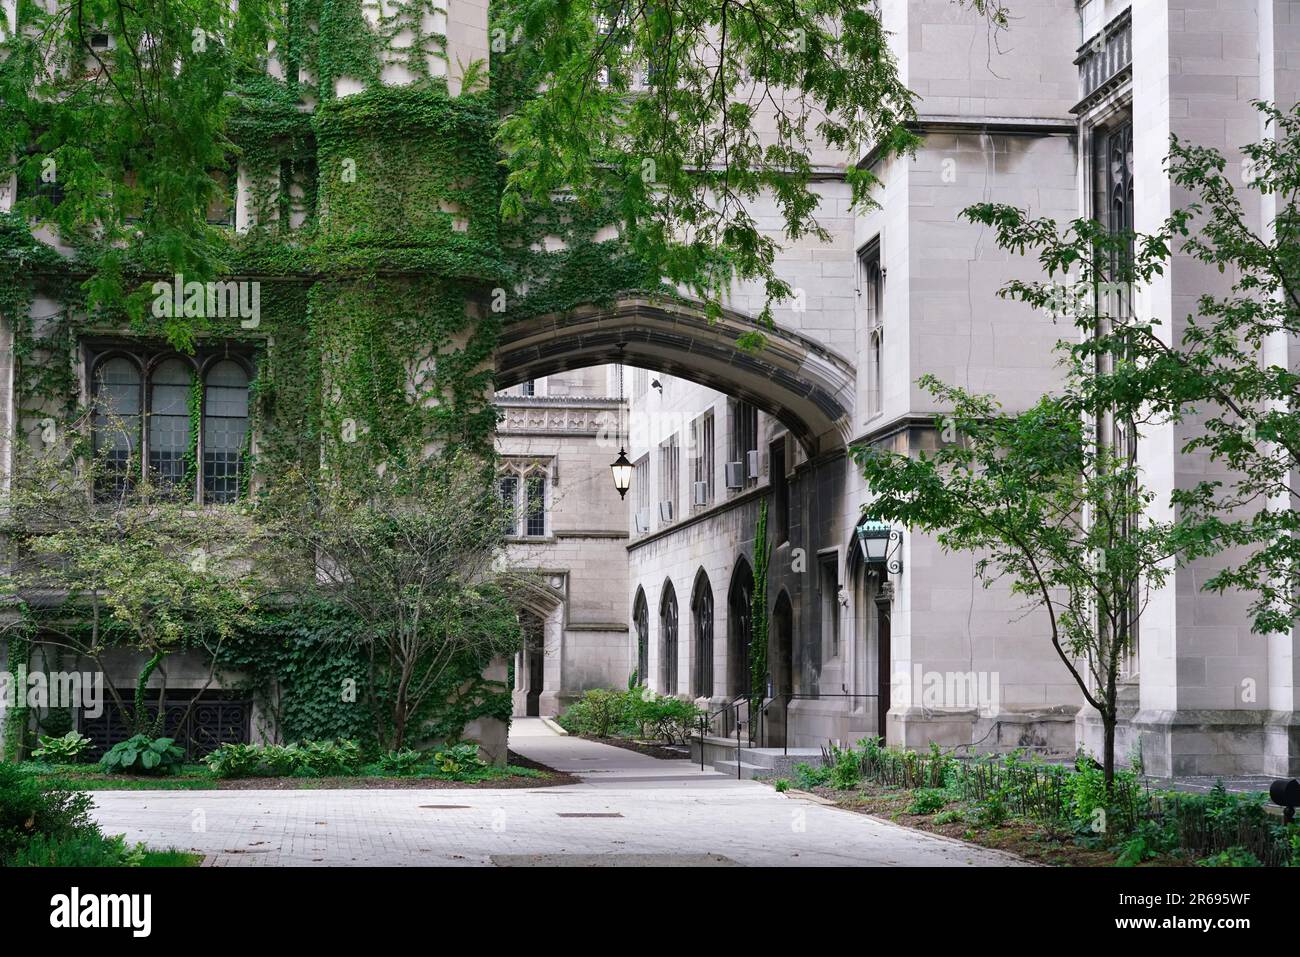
(698, 119)
(118, 147)
(1221, 374)
(1059, 516)
(142, 754)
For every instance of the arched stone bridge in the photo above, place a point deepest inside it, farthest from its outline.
(806, 386)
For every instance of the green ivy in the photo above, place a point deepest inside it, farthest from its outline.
(305, 667)
(379, 315)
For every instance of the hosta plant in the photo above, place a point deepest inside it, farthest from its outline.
(458, 759)
(235, 760)
(405, 761)
(66, 749)
(143, 755)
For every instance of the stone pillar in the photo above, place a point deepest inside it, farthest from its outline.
(552, 663)
(1208, 686)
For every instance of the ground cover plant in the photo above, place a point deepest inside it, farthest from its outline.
(336, 763)
(43, 823)
(1051, 812)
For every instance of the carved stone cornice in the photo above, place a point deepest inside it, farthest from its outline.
(556, 417)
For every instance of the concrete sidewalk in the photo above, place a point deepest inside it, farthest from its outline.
(629, 810)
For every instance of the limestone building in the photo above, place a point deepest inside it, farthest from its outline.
(1068, 114)
(554, 441)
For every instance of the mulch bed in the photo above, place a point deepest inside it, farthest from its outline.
(554, 779)
(642, 747)
(1022, 839)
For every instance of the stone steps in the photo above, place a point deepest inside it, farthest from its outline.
(754, 762)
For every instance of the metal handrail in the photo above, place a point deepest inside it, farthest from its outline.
(790, 696)
(786, 697)
(707, 719)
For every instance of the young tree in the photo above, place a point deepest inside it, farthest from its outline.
(413, 553)
(1232, 374)
(97, 563)
(1059, 515)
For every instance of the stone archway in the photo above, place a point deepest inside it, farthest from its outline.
(805, 385)
(538, 665)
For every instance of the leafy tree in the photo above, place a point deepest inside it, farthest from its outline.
(693, 113)
(116, 145)
(96, 564)
(1230, 377)
(1047, 507)
(413, 553)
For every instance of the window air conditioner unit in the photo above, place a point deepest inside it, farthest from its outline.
(665, 511)
(751, 463)
(701, 493)
(735, 474)
(642, 521)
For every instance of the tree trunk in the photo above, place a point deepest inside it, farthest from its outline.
(1108, 720)
(399, 721)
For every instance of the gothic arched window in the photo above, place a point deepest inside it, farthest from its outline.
(702, 613)
(169, 422)
(668, 640)
(117, 385)
(225, 423)
(641, 620)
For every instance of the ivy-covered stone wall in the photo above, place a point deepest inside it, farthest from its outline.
(368, 214)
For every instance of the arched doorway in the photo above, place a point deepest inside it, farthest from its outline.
(668, 640)
(534, 662)
(740, 628)
(702, 617)
(781, 656)
(641, 625)
(871, 641)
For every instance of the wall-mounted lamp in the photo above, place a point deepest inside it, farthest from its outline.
(881, 544)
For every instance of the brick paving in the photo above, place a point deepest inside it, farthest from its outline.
(630, 809)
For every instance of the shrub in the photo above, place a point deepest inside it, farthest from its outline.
(1221, 827)
(953, 816)
(340, 758)
(992, 811)
(29, 808)
(235, 760)
(459, 759)
(79, 848)
(1141, 846)
(781, 784)
(143, 755)
(604, 713)
(1235, 856)
(810, 777)
(928, 801)
(67, 749)
(332, 758)
(600, 712)
(285, 760)
(844, 770)
(665, 718)
(405, 761)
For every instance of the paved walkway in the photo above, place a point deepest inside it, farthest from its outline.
(629, 810)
